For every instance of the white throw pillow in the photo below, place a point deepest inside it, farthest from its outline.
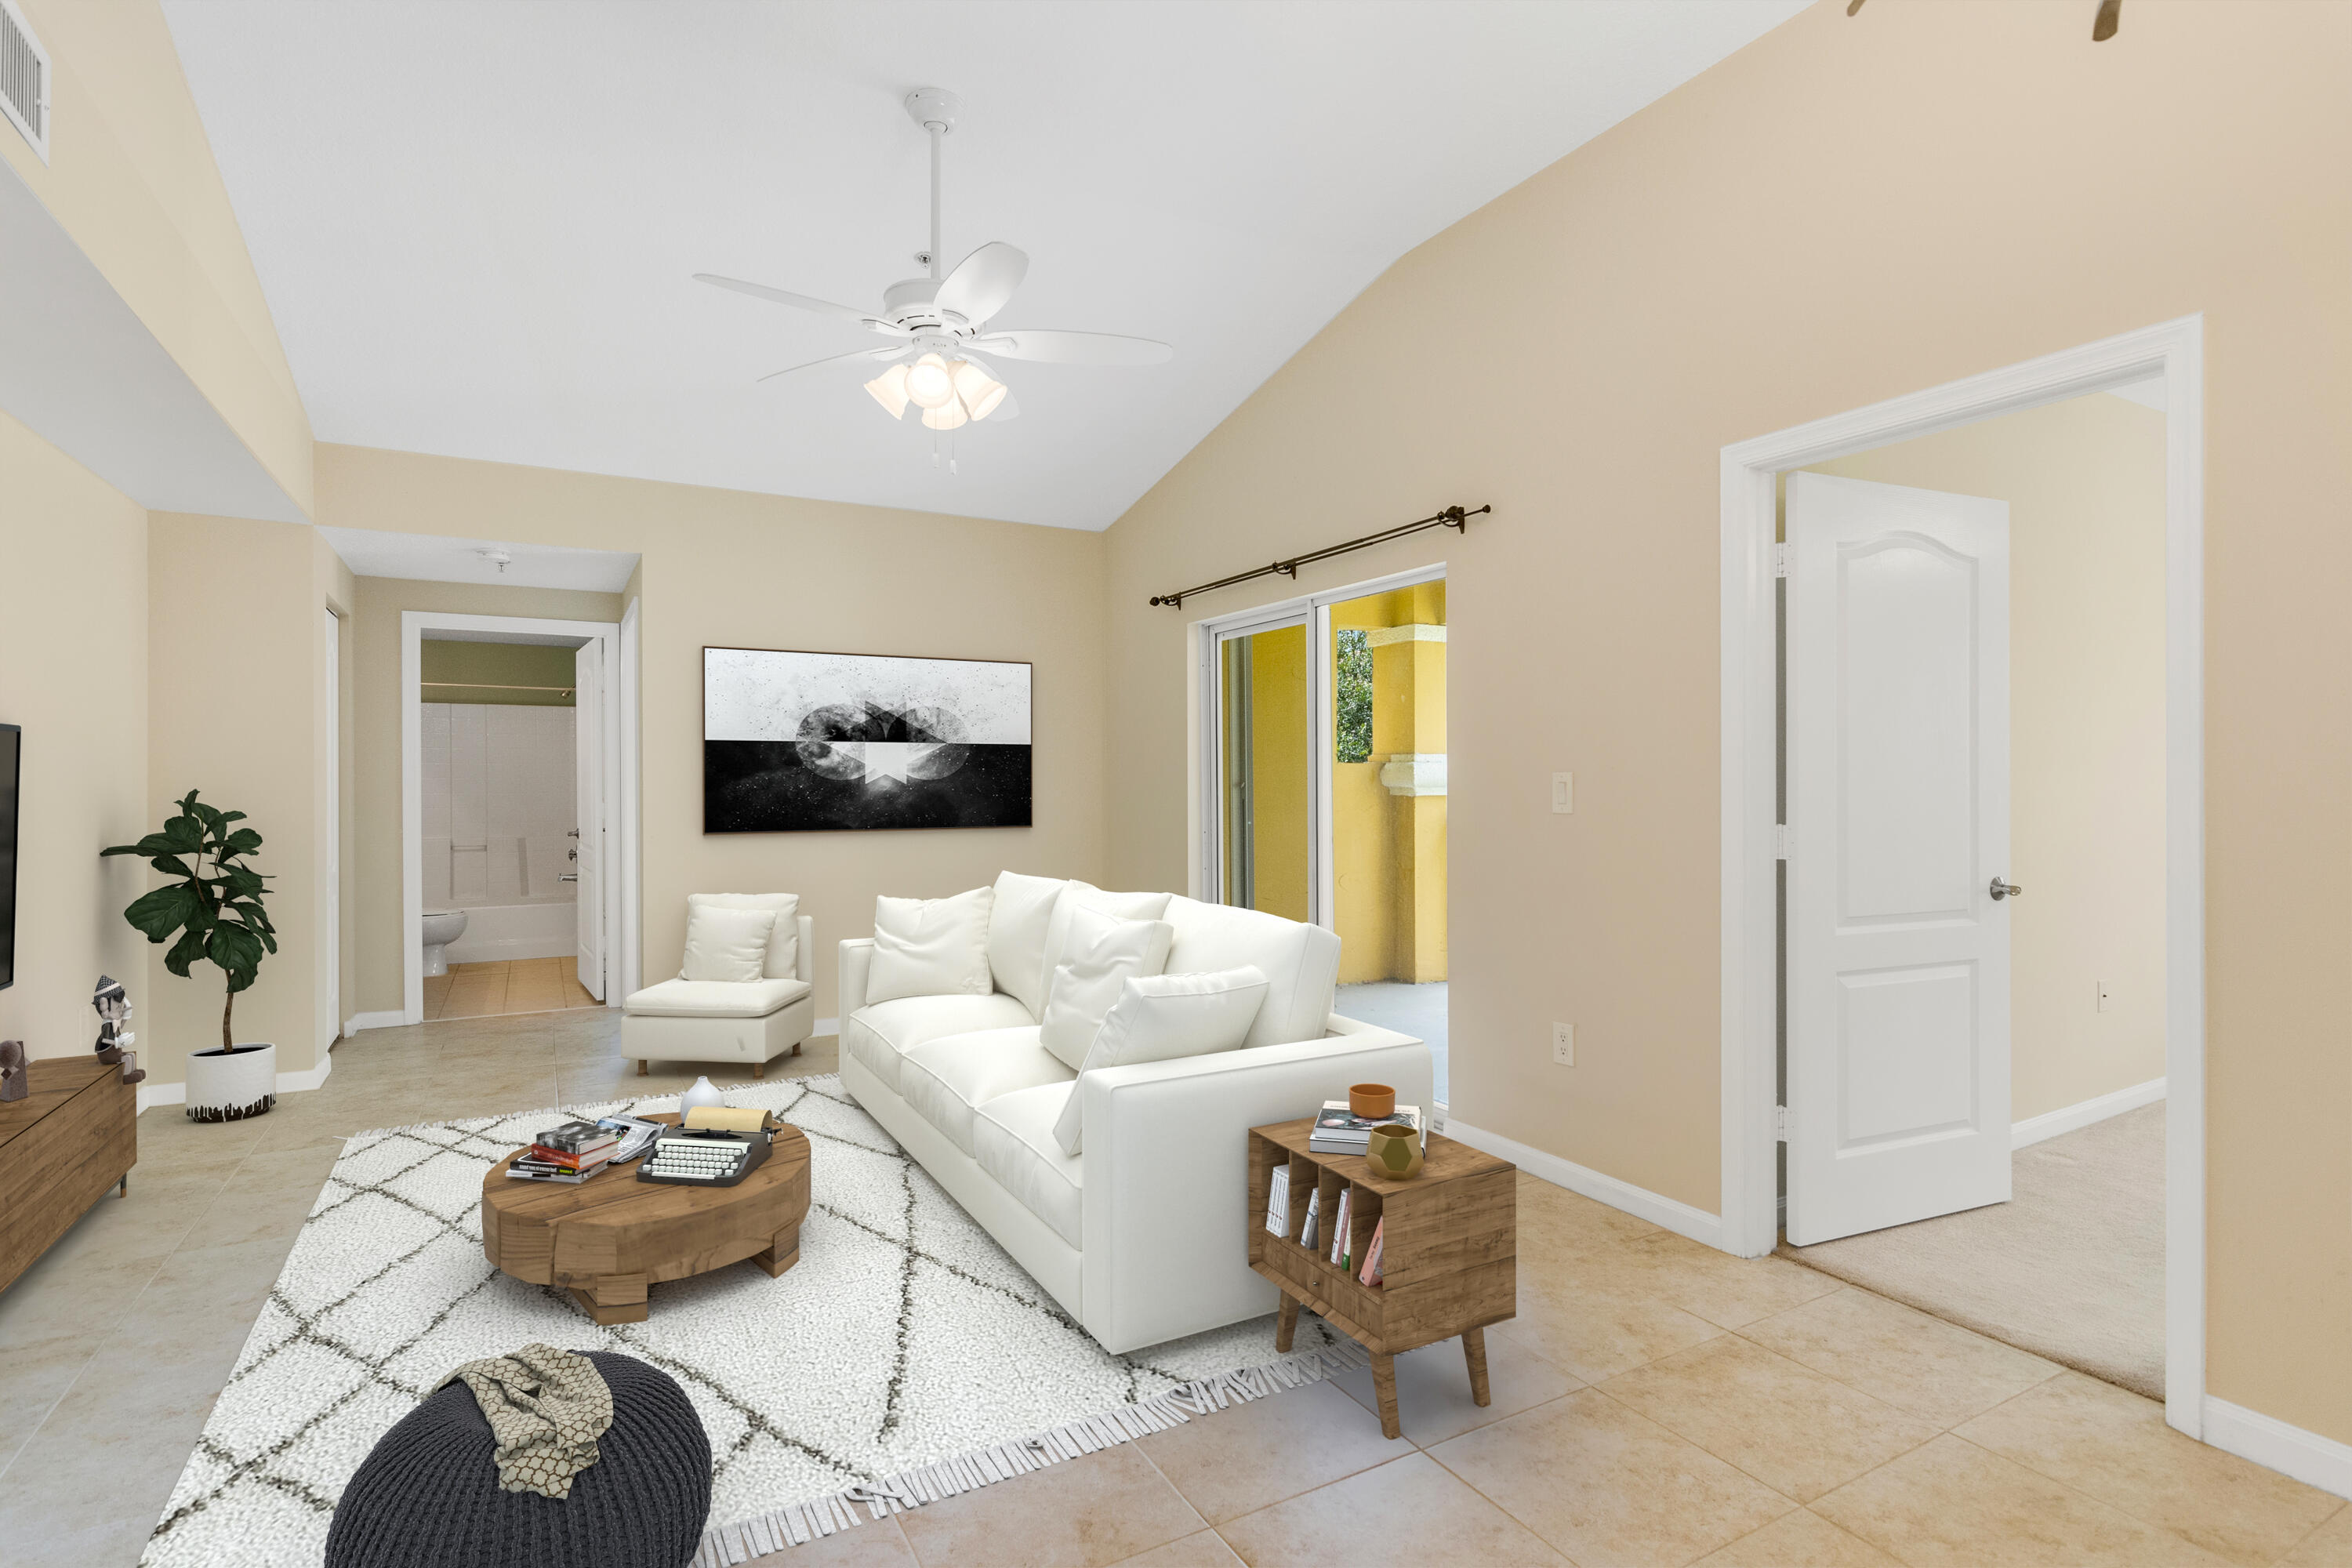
(1017, 921)
(1105, 953)
(1077, 895)
(725, 944)
(930, 947)
(784, 961)
(1160, 1017)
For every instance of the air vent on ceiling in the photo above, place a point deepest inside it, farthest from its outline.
(24, 79)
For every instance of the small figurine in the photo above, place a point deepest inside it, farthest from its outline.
(13, 1077)
(113, 1008)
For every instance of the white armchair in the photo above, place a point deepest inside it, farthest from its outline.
(731, 1021)
(1141, 1235)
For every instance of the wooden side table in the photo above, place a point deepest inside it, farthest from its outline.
(1449, 1253)
(607, 1239)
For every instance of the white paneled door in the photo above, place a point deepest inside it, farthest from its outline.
(588, 741)
(1898, 901)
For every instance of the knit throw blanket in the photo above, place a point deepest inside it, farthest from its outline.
(546, 1409)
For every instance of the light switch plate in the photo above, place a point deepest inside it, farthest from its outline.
(1563, 793)
(1563, 1045)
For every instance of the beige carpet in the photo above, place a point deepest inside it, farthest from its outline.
(2071, 1267)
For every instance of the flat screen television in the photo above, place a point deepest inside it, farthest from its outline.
(11, 744)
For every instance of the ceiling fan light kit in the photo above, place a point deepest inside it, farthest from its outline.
(934, 322)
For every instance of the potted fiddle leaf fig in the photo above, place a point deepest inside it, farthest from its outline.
(212, 910)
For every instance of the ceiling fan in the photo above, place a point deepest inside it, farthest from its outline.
(937, 327)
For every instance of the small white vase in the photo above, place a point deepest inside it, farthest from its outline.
(703, 1093)
(233, 1084)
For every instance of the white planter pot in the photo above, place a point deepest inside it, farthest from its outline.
(231, 1085)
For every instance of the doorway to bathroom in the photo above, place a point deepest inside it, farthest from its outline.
(519, 851)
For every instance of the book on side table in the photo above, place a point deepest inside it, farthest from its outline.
(1397, 1265)
(1340, 1131)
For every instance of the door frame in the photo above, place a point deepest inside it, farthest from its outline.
(622, 894)
(1207, 878)
(1749, 625)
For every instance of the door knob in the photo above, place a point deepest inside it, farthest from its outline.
(2000, 889)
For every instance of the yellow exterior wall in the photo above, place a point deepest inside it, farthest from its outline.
(1279, 770)
(1389, 876)
(1845, 211)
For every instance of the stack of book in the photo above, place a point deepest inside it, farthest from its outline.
(1278, 1223)
(571, 1152)
(1339, 1130)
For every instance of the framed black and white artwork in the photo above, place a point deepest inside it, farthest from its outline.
(817, 742)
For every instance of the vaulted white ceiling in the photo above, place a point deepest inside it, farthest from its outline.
(476, 224)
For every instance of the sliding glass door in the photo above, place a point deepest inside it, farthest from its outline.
(1265, 786)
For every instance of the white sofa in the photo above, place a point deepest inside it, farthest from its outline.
(727, 1020)
(1140, 1235)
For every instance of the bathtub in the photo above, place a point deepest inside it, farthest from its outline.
(540, 928)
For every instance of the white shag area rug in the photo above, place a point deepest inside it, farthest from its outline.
(904, 1359)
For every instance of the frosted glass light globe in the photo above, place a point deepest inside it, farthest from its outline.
(928, 384)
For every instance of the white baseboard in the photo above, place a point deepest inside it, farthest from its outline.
(1640, 1202)
(391, 1019)
(2068, 1118)
(826, 1027)
(292, 1082)
(2315, 1460)
(162, 1094)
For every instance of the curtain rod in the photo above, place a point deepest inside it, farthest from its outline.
(1453, 517)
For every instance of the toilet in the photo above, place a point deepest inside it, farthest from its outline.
(440, 931)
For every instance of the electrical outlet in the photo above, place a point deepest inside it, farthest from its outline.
(2104, 996)
(1563, 793)
(1563, 1045)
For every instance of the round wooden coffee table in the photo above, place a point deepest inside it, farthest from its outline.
(612, 1236)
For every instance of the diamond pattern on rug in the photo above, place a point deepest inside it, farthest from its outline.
(905, 1337)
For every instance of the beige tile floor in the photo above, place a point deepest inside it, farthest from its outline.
(1655, 1403)
(510, 985)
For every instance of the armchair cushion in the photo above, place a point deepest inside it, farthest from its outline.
(1017, 919)
(782, 962)
(1163, 1016)
(1013, 1139)
(722, 944)
(878, 1035)
(714, 999)
(1103, 952)
(946, 1080)
(930, 947)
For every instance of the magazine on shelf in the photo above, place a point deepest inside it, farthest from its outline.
(1371, 1273)
(1309, 1229)
(1277, 1203)
(1339, 1227)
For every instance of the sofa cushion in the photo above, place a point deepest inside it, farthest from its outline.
(1013, 1139)
(1017, 919)
(1160, 1017)
(930, 947)
(1077, 895)
(1300, 962)
(944, 1081)
(876, 1034)
(1103, 953)
(714, 999)
(725, 944)
(783, 961)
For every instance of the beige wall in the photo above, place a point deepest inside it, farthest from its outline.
(130, 176)
(372, 887)
(722, 567)
(237, 695)
(73, 672)
(1846, 210)
(2084, 484)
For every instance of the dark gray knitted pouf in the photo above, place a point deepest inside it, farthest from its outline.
(428, 1494)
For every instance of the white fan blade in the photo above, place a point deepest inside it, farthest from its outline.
(870, 356)
(866, 319)
(982, 282)
(1076, 348)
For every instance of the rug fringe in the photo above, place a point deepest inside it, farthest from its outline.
(801, 1523)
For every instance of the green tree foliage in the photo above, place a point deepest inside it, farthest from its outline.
(216, 917)
(1353, 696)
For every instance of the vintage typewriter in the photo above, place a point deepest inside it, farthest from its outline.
(715, 1147)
